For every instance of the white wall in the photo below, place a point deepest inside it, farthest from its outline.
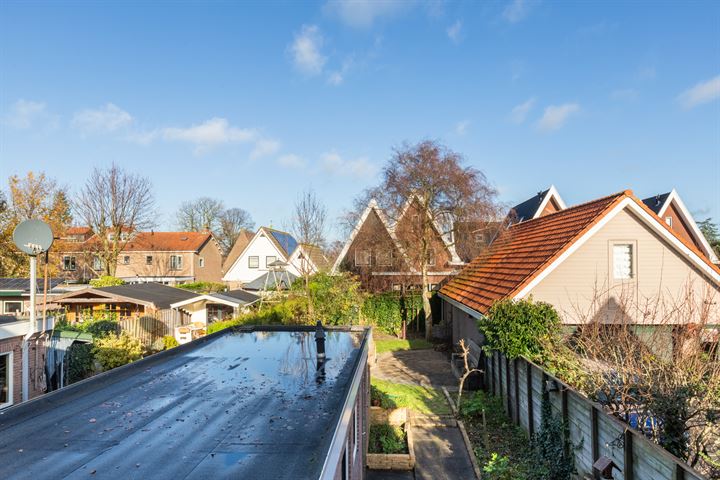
(259, 246)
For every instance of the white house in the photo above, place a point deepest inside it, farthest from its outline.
(267, 246)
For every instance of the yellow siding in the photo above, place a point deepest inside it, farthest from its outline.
(581, 288)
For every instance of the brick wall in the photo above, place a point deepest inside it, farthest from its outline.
(36, 357)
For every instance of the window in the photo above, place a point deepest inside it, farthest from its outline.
(201, 262)
(69, 263)
(622, 258)
(362, 258)
(431, 257)
(668, 220)
(175, 262)
(6, 392)
(480, 238)
(397, 287)
(97, 263)
(148, 260)
(432, 287)
(254, 262)
(126, 260)
(268, 260)
(384, 259)
(13, 308)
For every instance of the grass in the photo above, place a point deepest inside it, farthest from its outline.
(420, 399)
(389, 344)
(502, 448)
(386, 438)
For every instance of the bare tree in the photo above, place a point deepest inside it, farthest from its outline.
(233, 221)
(203, 213)
(115, 203)
(467, 371)
(446, 193)
(308, 227)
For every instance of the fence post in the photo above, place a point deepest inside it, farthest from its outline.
(517, 392)
(628, 471)
(594, 436)
(528, 379)
(679, 472)
(507, 386)
(566, 419)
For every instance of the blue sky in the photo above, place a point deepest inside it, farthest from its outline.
(254, 103)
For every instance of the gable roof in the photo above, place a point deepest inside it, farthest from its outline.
(372, 207)
(534, 206)
(282, 240)
(154, 295)
(659, 205)
(237, 249)
(234, 298)
(315, 254)
(528, 251)
(151, 242)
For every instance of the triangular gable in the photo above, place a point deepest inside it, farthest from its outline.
(93, 293)
(544, 203)
(672, 201)
(449, 246)
(371, 209)
(263, 232)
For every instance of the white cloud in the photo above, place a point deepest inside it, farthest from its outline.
(363, 13)
(555, 116)
(461, 127)
(212, 132)
(517, 10)
(306, 50)
(520, 112)
(24, 113)
(291, 161)
(337, 77)
(454, 31)
(333, 163)
(703, 92)
(264, 147)
(624, 94)
(104, 119)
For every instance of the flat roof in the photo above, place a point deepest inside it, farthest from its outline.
(241, 403)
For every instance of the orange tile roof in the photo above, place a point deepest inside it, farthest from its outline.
(521, 252)
(526, 249)
(167, 241)
(78, 230)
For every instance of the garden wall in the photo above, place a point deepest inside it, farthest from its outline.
(521, 385)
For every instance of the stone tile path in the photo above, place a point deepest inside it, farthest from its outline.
(440, 452)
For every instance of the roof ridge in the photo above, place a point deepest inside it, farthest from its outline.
(574, 207)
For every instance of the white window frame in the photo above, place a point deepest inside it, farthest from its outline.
(268, 261)
(5, 303)
(97, 263)
(388, 262)
(10, 375)
(669, 221)
(257, 261)
(431, 258)
(368, 256)
(633, 260)
(176, 262)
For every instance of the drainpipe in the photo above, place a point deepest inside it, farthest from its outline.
(30, 332)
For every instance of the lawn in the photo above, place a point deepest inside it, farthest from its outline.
(502, 449)
(390, 344)
(420, 399)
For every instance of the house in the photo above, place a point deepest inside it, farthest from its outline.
(241, 242)
(211, 307)
(377, 250)
(670, 208)
(164, 257)
(609, 260)
(15, 295)
(268, 246)
(252, 403)
(544, 203)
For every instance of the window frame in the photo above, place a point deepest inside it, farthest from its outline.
(10, 373)
(13, 312)
(257, 261)
(267, 264)
(126, 259)
(176, 262)
(633, 261)
(72, 260)
(669, 221)
(389, 260)
(201, 262)
(148, 259)
(368, 256)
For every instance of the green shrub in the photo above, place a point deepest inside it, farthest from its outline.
(80, 360)
(498, 468)
(386, 438)
(378, 398)
(116, 350)
(554, 457)
(204, 287)
(169, 342)
(386, 311)
(106, 281)
(520, 328)
(336, 299)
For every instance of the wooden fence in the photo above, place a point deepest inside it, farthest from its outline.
(522, 384)
(150, 328)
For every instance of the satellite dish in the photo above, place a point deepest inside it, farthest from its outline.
(33, 237)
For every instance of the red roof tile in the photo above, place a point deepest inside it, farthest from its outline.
(167, 241)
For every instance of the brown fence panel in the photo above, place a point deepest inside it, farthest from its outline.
(150, 328)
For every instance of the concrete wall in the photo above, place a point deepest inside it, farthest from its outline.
(582, 288)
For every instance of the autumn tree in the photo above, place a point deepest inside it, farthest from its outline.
(115, 203)
(710, 230)
(207, 213)
(308, 224)
(448, 192)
